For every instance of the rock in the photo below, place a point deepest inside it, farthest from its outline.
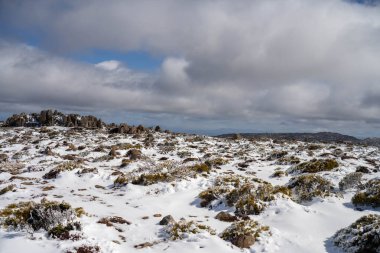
(53, 173)
(125, 129)
(144, 245)
(363, 169)
(3, 158)
(167, 220)
(224, 216)
(134, 154)
(53, 118)
(48, 151)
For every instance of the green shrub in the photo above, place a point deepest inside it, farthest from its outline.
(361, 236)
(370, 196)
(184, 229)
(314, 166)
(306, 187)
(153, 178)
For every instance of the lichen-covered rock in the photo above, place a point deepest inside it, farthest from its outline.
(370, 196)
(306, 187)
(244, 234)
(361, 236)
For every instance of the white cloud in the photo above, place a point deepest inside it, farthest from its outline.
(109, 65)
(275, 60)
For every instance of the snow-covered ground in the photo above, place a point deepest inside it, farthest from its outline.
(294, 227)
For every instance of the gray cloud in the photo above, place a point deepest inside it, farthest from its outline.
(307, 63)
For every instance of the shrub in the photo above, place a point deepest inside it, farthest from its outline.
(8, 188)
(314, 166)
(276, 155)
(66, 166)
(370, 196)
(63, 232)
(361, 236)
(35, 216)
(153, 178)
(247, 195)
(120, 181)
(201, 168)
(306, 187)
(350, 180)
(279, 173)
(243, 234)
(184, 229)
(288, 160)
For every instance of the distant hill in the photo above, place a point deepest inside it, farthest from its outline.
(327, 137)
(320, 137)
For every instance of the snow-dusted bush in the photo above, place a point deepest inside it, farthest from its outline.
(185, 229)
(244, 233)
(363, 236)
(314, 166)
(35, 216)
(306, 187)
(370, 196)
(350, 180)
(247, 195)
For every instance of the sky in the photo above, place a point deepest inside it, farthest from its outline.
(202, 66)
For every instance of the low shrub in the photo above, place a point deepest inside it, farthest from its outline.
(306, 187)
(184, 229)
(370, 196)
(314, 166)
(244, 233)
(361, 236)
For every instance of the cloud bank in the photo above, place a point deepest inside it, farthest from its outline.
(281, 62)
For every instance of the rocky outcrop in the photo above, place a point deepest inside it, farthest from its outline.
(52, 118)
(126, 129)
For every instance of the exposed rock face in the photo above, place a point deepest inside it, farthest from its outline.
(126, 129)
(53, 118)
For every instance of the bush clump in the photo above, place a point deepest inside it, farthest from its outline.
(279, 173)
(152, 178)
(370, 196)
(361, 236)
(244, 233)
(63, 232)
(306, 187)
(350, 180)
(66, 166)
(314, 166)
(288, 160)
(248, 196)
(8, 188)
(35, 216)
(120, 181)
(201, 168)
(184, 229)
(277, 155)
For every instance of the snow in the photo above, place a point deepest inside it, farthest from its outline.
(294, 227)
